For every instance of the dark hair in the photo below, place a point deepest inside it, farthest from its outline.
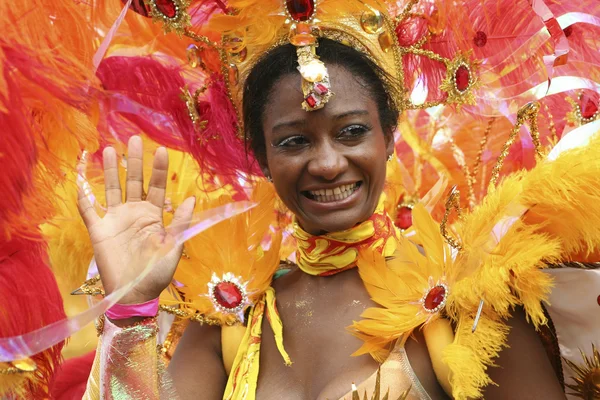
(282, 61)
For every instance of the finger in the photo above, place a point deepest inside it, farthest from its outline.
(158, 180)
(86, 209)
(183, 216)
(135, 169)
(112, 186)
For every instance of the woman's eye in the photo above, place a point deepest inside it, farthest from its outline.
(354, 131)
(292, 141)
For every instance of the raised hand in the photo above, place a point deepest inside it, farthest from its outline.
(131, 233)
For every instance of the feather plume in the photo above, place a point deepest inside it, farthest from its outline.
(30, 300)
(230, 247)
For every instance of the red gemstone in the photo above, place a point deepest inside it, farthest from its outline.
(598, 300)
(166, 7)
(139, 6)
(588, 105)
(404, 218)
(435, 297)
(228, 295)
(321, 89)
(311, 100)
(462, 76)
(480, 39)
(300, 10)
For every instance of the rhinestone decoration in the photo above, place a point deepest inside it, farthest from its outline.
(434, 298)
(301, 35)
(462, 78)
(315, 79)
(300, 10)
(228, 294)
(385, 41)
(167, 8)
(587, 107)
(371, 21)
(233, 74)
(172, 13)
(404, 216)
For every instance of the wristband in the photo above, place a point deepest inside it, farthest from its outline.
(123, 311)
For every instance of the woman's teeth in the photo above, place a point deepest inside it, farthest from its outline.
(335, 194)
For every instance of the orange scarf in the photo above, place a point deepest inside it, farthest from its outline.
(336, 252)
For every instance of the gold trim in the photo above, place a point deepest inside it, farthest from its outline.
(87, 288)
(529, 112)
(179, 23)
(453, 202)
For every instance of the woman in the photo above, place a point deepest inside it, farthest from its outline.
(328, 167)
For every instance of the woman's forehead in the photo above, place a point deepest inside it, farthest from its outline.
(286, 97)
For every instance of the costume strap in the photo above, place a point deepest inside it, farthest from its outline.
(336, 252)
(244, 376)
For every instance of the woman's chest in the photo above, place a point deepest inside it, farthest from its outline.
(316, 314)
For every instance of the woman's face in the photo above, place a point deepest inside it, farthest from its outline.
(328, 166)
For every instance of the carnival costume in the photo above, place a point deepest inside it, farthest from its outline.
(498, 98)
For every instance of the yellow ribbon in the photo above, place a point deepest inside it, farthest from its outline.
(244, 374)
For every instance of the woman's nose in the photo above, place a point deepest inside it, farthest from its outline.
(327, 162)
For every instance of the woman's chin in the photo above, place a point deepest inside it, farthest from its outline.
(334, 222)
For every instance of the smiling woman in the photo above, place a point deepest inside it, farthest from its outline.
(316, 293)
(328, 166)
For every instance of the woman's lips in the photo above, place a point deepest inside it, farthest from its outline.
(327, 199)
(331, 195)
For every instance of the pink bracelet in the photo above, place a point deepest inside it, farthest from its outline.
(122, 311)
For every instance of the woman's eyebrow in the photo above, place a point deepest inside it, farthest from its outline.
(286, 124)
(351, 113)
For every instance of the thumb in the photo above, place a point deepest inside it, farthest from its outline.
(183, 216)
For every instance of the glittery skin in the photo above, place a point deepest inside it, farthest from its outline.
(127, 365)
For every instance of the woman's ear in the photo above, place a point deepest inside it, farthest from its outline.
(389, 142)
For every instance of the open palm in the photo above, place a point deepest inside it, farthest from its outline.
(132, 234)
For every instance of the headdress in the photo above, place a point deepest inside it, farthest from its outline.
(186, 94)
(228, 41)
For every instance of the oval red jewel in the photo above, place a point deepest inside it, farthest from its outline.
(228, 295)
(404, 217)
(166, 7)
(588, 105)
(462, 77)
(434, 298)
(480, 39)
(598, 300)
(300, 10)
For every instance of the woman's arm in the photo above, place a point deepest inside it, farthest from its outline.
(524, 370)
(197, 366)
